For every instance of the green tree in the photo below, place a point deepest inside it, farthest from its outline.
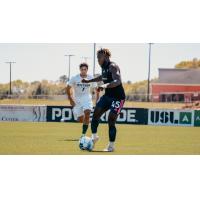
(63, 79)
(190, 64)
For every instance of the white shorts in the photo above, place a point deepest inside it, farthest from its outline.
(80, 107)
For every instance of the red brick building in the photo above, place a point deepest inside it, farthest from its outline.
(176, 85)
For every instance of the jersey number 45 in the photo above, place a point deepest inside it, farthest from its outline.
(115, 104)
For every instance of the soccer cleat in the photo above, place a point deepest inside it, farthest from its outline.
(109, 149)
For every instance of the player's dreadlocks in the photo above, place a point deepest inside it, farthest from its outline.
(105, 52)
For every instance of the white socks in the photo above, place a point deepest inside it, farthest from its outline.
(94, 136)
(111, 144)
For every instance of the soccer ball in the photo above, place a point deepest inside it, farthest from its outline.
(86, 143)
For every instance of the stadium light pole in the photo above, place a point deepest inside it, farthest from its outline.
(10, 63)
(69, 57)
(94, 58)
(149, 73)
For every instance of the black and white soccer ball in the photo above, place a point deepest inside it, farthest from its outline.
(86, 143)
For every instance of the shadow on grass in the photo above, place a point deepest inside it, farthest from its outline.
(100, 151)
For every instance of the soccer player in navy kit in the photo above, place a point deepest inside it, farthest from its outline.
(112, 100)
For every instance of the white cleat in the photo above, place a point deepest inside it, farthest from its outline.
(109, 149)
(95, 139)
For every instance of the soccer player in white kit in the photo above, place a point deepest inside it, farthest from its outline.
(80, 97)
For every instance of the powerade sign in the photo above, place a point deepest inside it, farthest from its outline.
(127, 115)
(56, 113)
(171, 117)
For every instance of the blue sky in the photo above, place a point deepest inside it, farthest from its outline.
(47, 61)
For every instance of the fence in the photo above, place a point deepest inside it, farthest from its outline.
(136, 97)
(139, 116)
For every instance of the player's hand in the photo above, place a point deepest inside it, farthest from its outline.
(99, 89)
(72, 103)
(85, 81)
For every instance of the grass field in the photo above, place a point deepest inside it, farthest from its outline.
(61, 138)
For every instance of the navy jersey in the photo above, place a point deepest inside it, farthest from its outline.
(115, 92)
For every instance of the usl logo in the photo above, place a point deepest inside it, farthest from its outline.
(170, 117)
(197, 118)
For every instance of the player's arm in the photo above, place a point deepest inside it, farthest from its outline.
(97, 79)
(70, 94)
(114, 69)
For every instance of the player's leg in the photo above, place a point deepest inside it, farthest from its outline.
(100, 109)
(86, 121)
(79, 116)
(87, 106)
(112, 118)
(98, 112)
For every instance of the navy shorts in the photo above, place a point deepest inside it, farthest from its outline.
(113, 104)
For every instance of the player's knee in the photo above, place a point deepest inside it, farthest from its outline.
(96, 116)
(87, 113)
(94, 122)
(111, 123)
(112, 120)
(87, 116)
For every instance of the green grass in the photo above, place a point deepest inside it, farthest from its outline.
(58, 138)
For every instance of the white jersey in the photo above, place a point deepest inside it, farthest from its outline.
(81, 90)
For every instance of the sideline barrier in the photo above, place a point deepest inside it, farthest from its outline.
(197, 118)
(169, 117)
(127, 115)
(23, 113)
(166, 117)
(142, 116)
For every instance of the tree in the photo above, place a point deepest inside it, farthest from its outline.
(190, 64)
(63, 79)
(39, 90)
